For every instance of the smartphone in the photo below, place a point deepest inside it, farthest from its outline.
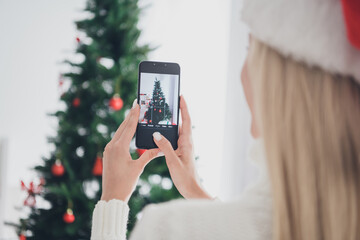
(158, 97)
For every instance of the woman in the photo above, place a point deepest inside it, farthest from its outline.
(302, 84)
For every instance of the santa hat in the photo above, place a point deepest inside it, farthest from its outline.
(323, 33)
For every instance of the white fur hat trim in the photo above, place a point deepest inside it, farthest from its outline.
(310, 31)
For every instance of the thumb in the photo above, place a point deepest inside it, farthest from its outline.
(165, 146)
(149, 155)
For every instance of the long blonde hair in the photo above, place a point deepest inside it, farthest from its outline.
(310, 121)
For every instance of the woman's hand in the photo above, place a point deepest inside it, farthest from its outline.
(120, 171)
(181, 162)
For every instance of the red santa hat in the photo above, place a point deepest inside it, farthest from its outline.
(323, 33)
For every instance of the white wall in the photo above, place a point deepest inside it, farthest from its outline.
(37, 35)
(237, 171)
(3, 180)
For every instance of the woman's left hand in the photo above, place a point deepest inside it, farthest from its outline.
(120, 171)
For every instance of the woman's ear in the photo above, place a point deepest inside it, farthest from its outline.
(248, 91)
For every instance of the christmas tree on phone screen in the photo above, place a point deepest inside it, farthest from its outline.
(158, 108)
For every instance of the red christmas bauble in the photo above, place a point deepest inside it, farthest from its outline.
(98, 167)
(69, 216)
(160, 110)
(76, 102)
(22, 237)
(116, 103)
(57, 168)
(140, 151)
(150, 121)
(78, 39)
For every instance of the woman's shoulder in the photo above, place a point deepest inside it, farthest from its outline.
(196, 219)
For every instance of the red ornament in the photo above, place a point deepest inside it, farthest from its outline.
(57, 168)
(159, 110)
(140, 151)
(78, 39)
(22, 237)
(76, 102)
(98, 167)
(116, 103)
(61, 80)
(32, 190)
(150, 121)
(69, 216)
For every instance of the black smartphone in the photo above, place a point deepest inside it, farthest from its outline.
(158, 97)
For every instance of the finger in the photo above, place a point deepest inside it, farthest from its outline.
(130, 128)
(180, 129)
(177, 151)
(149, 155)
(120, 128)
(166, 147)
(185, 116)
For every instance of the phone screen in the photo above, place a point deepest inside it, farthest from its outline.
(158, 97)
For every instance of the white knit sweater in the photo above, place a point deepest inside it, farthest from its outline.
(248, 217)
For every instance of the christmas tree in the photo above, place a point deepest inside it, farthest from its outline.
(101, 89)
(158, 108)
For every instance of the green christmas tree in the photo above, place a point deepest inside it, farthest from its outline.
(158, 108)
(96, 101)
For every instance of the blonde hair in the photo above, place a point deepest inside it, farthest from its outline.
(310, 121)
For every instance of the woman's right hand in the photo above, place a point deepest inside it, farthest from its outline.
(181, 162)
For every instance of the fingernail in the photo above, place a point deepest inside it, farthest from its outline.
(160, 154)
(134, 103)
(157, 136)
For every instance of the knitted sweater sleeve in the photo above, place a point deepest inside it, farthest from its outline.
(109, 220)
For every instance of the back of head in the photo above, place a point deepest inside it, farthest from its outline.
(310, 121)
